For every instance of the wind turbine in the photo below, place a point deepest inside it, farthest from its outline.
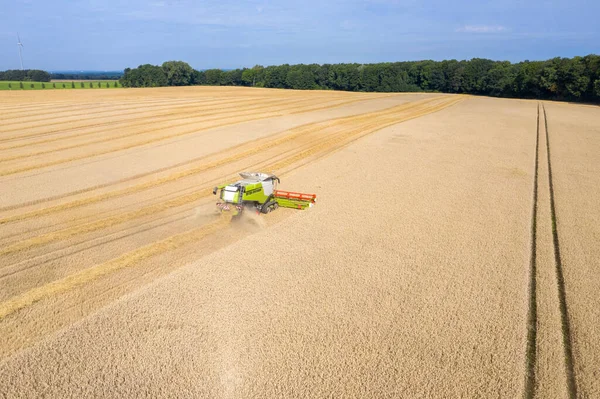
(20, 46)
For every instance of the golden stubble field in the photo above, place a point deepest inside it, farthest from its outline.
(430, 267)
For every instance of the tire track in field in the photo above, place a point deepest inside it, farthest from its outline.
(371, 125)
(130, 259)
(233, 120)
(255, 147)
(562, 297)
(546, 287)
(531, 350)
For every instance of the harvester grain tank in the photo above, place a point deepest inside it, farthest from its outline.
(258, 191)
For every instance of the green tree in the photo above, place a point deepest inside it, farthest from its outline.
(43, 85)
(72, 85)
(116, 84)
(300, 77)
(20, 85)
(198, 78)
(275, 77)
(82, 85)
(64, 86)
(32, 86)
(54, 85)
(571, 73)
(213, 77)
(144, 76)
(253, 76)
(10, 85)
(36, 75)
(559, 78)
(178, 73)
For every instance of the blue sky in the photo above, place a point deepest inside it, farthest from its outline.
(113, 34)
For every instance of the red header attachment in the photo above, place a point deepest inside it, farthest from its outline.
(295, 196)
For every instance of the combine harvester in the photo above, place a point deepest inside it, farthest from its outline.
(258, 191)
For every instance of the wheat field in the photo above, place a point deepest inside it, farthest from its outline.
(453, 250)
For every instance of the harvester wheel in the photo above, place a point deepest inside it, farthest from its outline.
(269, 206)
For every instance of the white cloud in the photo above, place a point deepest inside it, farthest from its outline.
(482, 29)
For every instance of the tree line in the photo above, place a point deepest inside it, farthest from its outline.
(574, 79)
(27, 75)
(86, 75)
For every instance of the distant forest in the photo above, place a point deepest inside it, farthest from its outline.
(91, 75)
(573, 79)
(27, 75)
(36, 75)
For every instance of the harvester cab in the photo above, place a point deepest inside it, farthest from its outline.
(259, 191)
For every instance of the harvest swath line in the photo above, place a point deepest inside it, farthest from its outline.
(203, 192)
(46, 258)
(562, 297)
(281, 106)
(326, 100)
(261, 165)
(93, 273)
(249, 166)
(254, 149)
(236, 120)
(22, 111)
(129, 259)
(131, 178)
(164, 119)
(240, 111)
(126, 118)
(289, 105)
(136, 104)
(25, 111)
(115, 109)
(310, 128)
